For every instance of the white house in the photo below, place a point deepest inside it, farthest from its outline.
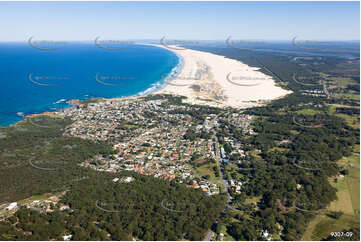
(67, 237)
(266, 235)
(12, 206)
(128, 179)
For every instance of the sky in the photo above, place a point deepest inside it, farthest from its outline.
(179, 20)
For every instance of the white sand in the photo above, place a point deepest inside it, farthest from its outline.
(250, 87)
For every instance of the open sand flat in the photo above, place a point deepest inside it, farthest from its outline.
(212, 79)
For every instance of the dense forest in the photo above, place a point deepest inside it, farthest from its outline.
(36, 159)
(145, 209)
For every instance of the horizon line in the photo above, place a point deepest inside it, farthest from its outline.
(178, 39)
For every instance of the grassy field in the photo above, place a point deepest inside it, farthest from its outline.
(348, 202)
(350, 96)
(279, 149)
(342, 81)
(208, 170)
(353, 181)
(323, 226)
(254, 200)
(353, 121)
(308, 111)
(295, 132)
(343, 203)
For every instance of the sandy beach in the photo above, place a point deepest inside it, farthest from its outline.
(215, 80)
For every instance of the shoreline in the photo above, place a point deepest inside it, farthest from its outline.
(198, 77)
(154, 87)
(215, 80)
(162, 83)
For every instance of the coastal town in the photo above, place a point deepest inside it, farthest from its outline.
(154, 137)
(159, 137)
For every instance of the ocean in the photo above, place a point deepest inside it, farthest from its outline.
(37, 80)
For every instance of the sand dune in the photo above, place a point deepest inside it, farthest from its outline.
(212, 79)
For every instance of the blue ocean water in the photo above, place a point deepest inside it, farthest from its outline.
(34, 80)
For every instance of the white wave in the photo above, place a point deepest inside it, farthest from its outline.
(59, 101)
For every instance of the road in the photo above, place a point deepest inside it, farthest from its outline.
(219, 161)
(224, 182)
(221, 172)
(325, 90)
